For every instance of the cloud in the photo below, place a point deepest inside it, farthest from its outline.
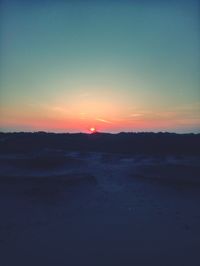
(103, 120)
(135, 115)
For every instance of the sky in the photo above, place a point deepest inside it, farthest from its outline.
(123, 65)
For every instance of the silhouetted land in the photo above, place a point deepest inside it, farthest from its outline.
(132, 143)
(99, 199)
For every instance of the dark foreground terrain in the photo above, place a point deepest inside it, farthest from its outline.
(132, 143)
(99, 200)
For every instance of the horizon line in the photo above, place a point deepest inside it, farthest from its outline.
(99, 132)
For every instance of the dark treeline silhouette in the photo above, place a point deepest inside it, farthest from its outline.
(132, 143)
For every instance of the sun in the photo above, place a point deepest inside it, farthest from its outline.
(92, 130)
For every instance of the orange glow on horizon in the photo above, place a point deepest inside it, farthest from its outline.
(55, 119)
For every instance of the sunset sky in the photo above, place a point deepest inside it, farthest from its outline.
(123, 65)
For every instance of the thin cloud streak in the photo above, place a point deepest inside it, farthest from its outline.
(103, 120)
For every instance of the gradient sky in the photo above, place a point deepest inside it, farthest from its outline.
(113, 65)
